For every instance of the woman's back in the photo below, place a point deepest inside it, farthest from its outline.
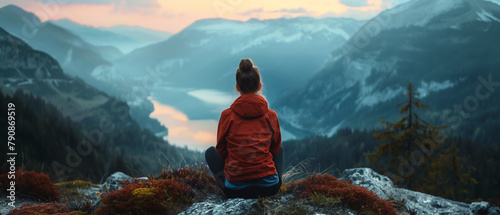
(248, 138)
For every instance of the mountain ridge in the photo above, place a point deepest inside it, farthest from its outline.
(103, 120)
(434, 13)
(360, 85)
(77, 57)
(28, 26)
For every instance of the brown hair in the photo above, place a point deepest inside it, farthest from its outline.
(247, 77)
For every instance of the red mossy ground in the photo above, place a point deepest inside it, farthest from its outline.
(195, 176)
(43, 209)
(172, 191)
(32, 184)
(355, 197)
(494, 201)
(146, 197)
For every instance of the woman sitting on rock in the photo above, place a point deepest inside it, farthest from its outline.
(247, 161)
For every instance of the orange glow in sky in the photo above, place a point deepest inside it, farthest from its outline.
(175, 15)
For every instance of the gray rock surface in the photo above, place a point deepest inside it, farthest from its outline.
(112, 184)
(93, 194)
(484, 208)
(141, 178)
(428, 204)
(216, 205)
(381, 185)
(5, 208)
(370, 179)
(420, 202)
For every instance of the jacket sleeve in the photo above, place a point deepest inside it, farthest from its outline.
(221, 135)
(276, 139)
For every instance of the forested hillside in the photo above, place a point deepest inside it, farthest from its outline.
(45, 139)
(53, 101)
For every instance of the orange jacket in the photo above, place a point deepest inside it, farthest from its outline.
(248, 137)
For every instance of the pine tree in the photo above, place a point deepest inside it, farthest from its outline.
(450, 175)
(406, 144)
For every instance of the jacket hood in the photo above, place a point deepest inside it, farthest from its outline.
(250, 106)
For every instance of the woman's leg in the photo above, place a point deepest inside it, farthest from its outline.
(253, 191)
(216, 165)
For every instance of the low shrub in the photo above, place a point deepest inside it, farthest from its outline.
(325, 200)
(291, 207)
(195, 176)
(82, 206)
(75, 184)
(32, 184)
(164, 196)
(327, 190)
(69, 190)
(494, 201)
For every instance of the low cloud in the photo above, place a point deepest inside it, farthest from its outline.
(174, 15)
(261, 10)
(251, 12)
(128, 3)
(354, 3)
(396, 2)
(356, 14)
(296, 10)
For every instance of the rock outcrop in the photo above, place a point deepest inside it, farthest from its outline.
(484, 208)
(382, 186)
(285, 204)
(112, 184)
(217, 205)
(419, 202)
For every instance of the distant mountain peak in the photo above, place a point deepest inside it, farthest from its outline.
(12, 7)
(439, 14)
(287, 27)
(19, 12)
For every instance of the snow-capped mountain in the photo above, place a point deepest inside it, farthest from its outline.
(364, 80)
(206, 54)
(441, 14)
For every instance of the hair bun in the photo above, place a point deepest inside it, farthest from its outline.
(246, 64)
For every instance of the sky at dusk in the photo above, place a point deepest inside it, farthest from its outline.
(175, 15)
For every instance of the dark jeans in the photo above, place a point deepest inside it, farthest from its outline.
(216, 165)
